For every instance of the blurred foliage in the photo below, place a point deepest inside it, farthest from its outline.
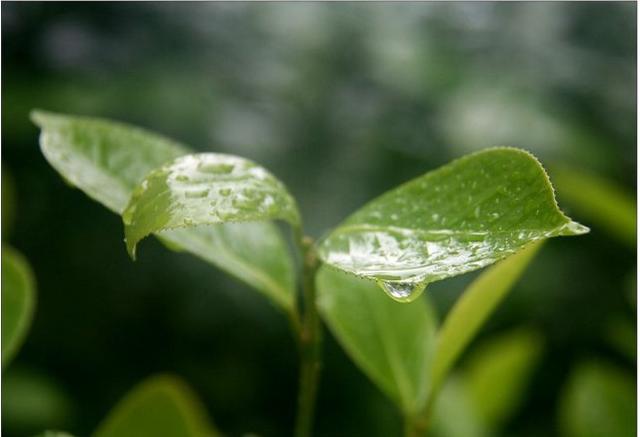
(599, 400)
(326, 96)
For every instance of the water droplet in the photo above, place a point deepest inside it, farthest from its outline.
(225, 191)
(573, 228)
(215, 167)
(403, 291)
(196, 193)
(182, 178)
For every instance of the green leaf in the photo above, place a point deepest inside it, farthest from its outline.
(161, 405)
(392, 343)
(461, 217)
(601, 201)
(205, 189)
(599, 401)
(498, 372)
(474, 307)
(18, 302)
(107, 160)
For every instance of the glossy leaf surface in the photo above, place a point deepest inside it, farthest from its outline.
(473, 308)
(392, 343)
(458, 218)
(599, 401)
(18, 302)
(205, 189)
(162, 405)
(107, 160)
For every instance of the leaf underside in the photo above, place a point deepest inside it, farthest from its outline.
(18, 302)
(107, 160)
(461, 217)
(391, 342)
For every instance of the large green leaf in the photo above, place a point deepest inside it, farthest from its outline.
(18, 302)
(205, 189)
(599, 401)
(391, 342)
(160, 406)
(474, 307)
(461, 217)
(107, 160)
(497, 374)
(599, 200)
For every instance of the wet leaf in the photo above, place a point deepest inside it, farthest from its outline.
(473, 308)
(205, 189)
(107, 160)
(599, 401)
(392, 343)
(161, 405)
(461, 217)
(18, 302)
(600, 201)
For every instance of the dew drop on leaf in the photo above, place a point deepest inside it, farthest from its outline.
(196, 194)
(403, 291)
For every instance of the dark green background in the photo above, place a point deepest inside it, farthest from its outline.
(341, 101)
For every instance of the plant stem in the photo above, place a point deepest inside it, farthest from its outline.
(310, 338)
(415, 426)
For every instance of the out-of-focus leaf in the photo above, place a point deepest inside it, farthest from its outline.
(474, 307)
(497, 374)
(107, 160)
(392, 343)
(599, 401)
(454, 414)
(18, 302)
(160, 406)
(205, 189)
(32, 401)
(600, 201)
(458, 218)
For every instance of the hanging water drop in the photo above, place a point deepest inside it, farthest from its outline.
(403, 291)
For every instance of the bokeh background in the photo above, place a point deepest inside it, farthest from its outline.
(342, 101)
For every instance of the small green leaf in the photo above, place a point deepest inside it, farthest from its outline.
(461, 217)
(599, 401)
(18, 302)
(392, 343)
(496, 375)
(107, 160)
(205, 189)
(599, 200)
(474, 307)
(160, 406)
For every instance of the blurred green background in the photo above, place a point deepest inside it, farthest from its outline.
(342, 101)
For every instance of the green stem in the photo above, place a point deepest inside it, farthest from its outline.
(415, 426)
(310, 338)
